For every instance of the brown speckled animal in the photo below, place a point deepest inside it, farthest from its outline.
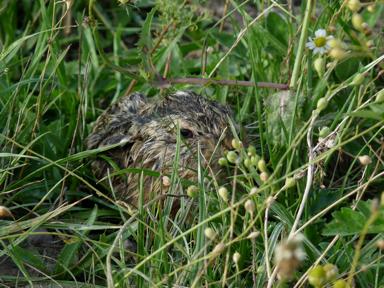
(148, 133)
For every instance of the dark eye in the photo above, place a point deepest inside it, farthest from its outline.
(186, 133)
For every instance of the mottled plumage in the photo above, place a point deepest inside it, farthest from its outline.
(148, 133)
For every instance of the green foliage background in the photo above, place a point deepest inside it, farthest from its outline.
(61, 66)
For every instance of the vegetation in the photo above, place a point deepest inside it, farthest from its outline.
(302, 205)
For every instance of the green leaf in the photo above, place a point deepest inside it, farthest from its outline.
(68, 253)
(347, 221)
(145, 43)
(29, 257)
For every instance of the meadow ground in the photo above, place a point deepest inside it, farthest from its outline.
(302, 202)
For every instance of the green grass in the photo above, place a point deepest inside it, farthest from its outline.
(55, 81)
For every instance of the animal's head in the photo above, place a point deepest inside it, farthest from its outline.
(149, 132)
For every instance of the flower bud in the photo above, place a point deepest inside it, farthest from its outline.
(223, 161)
(232, 157)
(358, 79)
(192, 191)
(321, 104)
(264, 176)
(316, 276)
(236, 144)
(270, 200)
(319, 65)
(380, 96)
(253, 191)
(166, 181)
(337, 53)
(290, 182)
(380, 244)
(249, 206)
(357, 21)
(354, 5)
(210, 233)
(219, 248)
(365, 160)
(236, 257)
(253, 235)
(223, 193)
(262, 165)
(335, 43)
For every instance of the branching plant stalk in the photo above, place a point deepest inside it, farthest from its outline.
(308, 185)
(310, 171)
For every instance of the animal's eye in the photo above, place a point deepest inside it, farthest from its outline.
(186, 133)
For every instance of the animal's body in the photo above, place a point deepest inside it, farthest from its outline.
(148, 130)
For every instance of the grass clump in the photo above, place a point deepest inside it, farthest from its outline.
(302, 202)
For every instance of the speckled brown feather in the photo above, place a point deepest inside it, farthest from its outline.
(148, 133)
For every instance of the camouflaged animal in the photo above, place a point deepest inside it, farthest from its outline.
(148, 131)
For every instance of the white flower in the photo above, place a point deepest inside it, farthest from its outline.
(319, 44)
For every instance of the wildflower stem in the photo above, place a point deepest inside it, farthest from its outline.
(266, 246)
(300, 50)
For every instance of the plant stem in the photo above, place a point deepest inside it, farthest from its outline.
(300, 49)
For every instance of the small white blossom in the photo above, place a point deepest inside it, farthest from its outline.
(319, 44)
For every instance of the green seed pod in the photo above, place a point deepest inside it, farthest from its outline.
(337, 53)
(331, 272)
(380, 96)
(232, 157)
(341, 283)
(371, 8)
(316, 277)
(249, 205)
(218, 249)
(264, 176)
(210, 233)
(290, 182)
(247, 162)
(321, 104)
(223, 193)
(319, 65)
(251, 150)
(262, 165)
(223, 161)
(354, 5)
(237, 144)
(357, 21)
(255, 159)
(236, 257)
(192, 191)
(358, 79)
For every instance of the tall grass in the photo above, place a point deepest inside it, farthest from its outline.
(311, 184)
